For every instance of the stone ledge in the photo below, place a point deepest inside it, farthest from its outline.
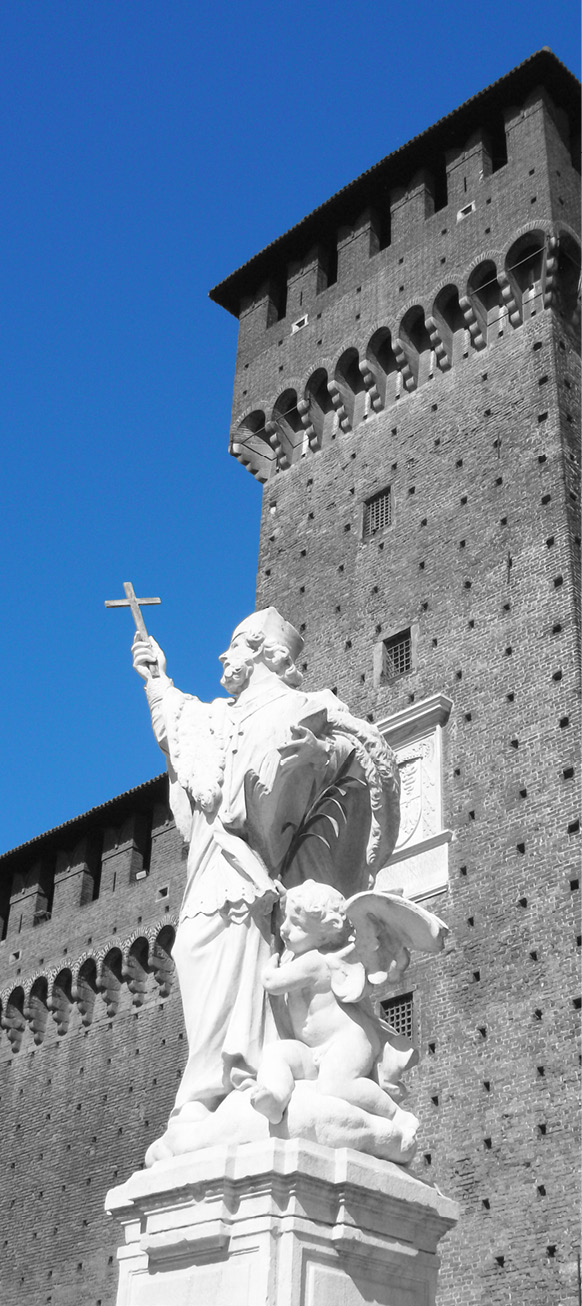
(287, 1223)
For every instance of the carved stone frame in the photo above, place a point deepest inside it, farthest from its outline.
(419, 864)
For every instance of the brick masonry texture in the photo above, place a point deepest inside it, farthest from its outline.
(482, 556)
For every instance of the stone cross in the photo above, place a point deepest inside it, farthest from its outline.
(130, 601)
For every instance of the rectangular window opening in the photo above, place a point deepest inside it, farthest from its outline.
(397, 655)
(332, 264)
(498, 142)
(398, 1013)
(95, 863)
(440, 192)
(465, 211)
(377, 513)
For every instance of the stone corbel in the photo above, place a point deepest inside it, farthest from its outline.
(403, 365)
(441, 352)
(13, 1022)
(337, 400)
(372, 390)
(275, 440)
(135, 971)
(60, 1000)
(549, 271)
(84, 992)
(163, 969)
(313, 439)
(478, 340)
(249, 459)
(510, 303)
(36, 1010)
(108, 982)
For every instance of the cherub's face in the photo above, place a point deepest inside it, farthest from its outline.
(300, 933)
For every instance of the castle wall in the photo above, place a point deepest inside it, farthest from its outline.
(430, 351)
(91, 1048)
(476, 441)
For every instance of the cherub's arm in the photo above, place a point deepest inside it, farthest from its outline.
(295, 974)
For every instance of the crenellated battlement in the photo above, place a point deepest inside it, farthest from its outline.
(110, 880)
(445, 259)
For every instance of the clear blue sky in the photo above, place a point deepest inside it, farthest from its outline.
(149, 147)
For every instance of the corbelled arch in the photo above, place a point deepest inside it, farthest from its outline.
(414, 339)
(36, 1008)
(451, 334)
(383, 367)
(347, 385)
(249, 443)
(286, 428)
(13, 1019)
(60, 998)
(320, 408)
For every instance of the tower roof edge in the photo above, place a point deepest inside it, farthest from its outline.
(397, 168)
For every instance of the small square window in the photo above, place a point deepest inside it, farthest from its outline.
(465, 211)
(377, 512)
(397, 655)
(398, 1013)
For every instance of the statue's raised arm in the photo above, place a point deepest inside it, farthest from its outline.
(270, 787)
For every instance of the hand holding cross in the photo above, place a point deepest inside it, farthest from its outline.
(130, 601)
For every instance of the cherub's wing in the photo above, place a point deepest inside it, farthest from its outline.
(348, 975)
(387, 928)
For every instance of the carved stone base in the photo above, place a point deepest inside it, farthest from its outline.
(278, 1224)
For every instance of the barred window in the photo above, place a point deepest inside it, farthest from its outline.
(397, 655)
(377, 512)
(398, 1013)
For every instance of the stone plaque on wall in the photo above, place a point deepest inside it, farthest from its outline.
(419, 864)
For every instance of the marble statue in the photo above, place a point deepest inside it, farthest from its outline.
(282, 796)
(338, 1041)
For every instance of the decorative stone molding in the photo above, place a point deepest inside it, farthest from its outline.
(419, 863)
(279, 1221)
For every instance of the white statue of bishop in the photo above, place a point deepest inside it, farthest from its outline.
(270, 787)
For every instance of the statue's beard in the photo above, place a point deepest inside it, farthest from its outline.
(236, 674)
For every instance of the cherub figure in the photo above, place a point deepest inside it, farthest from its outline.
(339, 953)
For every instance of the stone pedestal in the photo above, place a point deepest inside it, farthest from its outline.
(278, 1223)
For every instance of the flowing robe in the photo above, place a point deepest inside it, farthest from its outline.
(237, 801)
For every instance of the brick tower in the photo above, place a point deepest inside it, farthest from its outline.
(407, 391)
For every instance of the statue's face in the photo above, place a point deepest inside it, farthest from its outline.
(237, 665)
